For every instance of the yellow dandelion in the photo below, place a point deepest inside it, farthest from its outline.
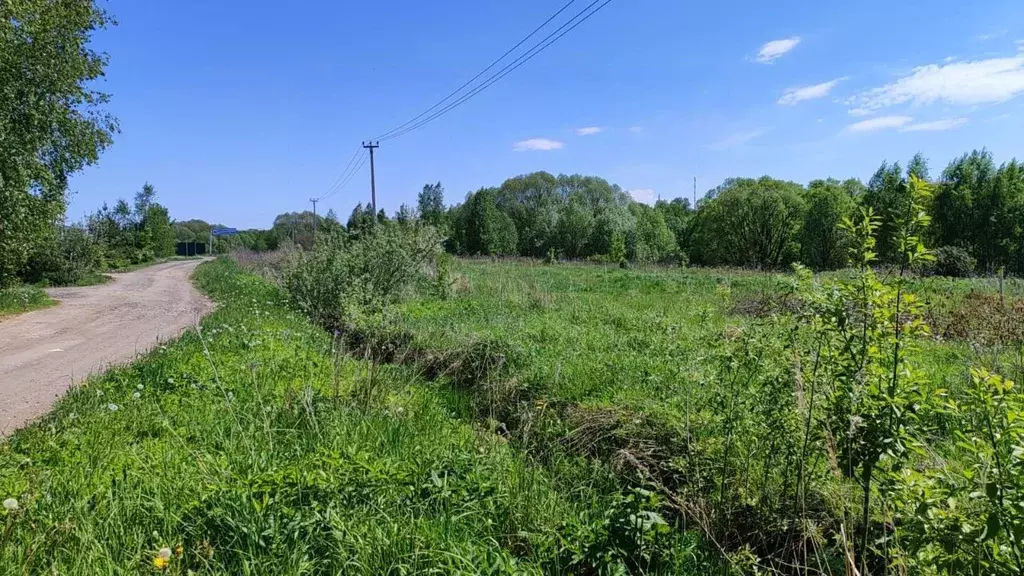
(178, 551)
(162, 559)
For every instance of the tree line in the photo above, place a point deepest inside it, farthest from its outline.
(977, 219)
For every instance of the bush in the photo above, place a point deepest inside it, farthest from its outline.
(342, 278)
(954, 262)
(65, 261)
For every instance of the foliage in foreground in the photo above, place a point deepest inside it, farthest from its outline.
(249, 447)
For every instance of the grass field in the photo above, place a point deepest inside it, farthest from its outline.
(249, 448)
(23, 299)
(567, 419)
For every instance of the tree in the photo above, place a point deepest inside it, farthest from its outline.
(575, 225)
(677, 216)
(824, 244)
(488, 230)
(888, 196)
(651, 240)
(51, 117)
(430, 204)
(157, 222)
(747, 222)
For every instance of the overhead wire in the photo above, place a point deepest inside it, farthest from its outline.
(334, 187)
(479, 74)
(359, 166)
(537, 48)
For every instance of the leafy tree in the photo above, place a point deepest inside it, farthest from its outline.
(361, 220)
(652, 240)
(157, 223)
(575, 225)
(747, 222)
(51, 118)
(430, 204)
(488, 230)
(677, 216)
(824, 244)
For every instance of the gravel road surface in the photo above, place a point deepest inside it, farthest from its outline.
(44, 353)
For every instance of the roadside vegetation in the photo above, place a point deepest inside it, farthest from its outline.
(23, 299)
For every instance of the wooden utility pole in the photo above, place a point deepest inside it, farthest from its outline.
(694, 192)
(371, 146)
(314, 201)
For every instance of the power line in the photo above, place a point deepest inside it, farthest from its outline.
(509, 68)
(479, 74)
(334, 187)
(351, 174)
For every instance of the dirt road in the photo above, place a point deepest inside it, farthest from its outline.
(43, 353)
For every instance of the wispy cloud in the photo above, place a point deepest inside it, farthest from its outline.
(961, 83)
(935, 125)
(772, 51)
(590, 130)
(991, 35)
(738, 139)
(644, 195)
(814, 91)
(636, 129)
(880, 123)
(537, 144)
(861, 112)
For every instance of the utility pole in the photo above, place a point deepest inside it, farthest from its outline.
(314, 201)
(373, 181)
(694, 192)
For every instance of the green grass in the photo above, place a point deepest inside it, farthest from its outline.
(253, 448)
(22, 299)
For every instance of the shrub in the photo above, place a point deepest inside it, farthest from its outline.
(342, 278)
(65, 261)
(954, 262)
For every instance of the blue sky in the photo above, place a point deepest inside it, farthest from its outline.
(240, 110)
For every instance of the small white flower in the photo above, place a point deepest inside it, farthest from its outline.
(164, 553)
(11, 504)
(140, 387)
(112, 407)
(231, 395)
(137, 395)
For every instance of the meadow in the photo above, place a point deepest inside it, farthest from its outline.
(524, 418)
(252, 446)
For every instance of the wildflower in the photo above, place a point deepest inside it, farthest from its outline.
(139, 387)
(231, 396)
(11, 504)
(112, 407)
(136, 395)
(178, 551)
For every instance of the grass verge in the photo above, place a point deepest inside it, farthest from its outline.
(22, 299)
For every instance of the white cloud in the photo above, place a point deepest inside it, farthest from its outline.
(534, 144)
(961, 83)
(589, 130)
(794, 95)
(644, 195)
(772, 51)
(738, 139)
(935, 125)
(880, 123)
(861, 112)
(636, 129)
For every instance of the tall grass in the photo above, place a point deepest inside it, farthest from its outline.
(245, 447)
